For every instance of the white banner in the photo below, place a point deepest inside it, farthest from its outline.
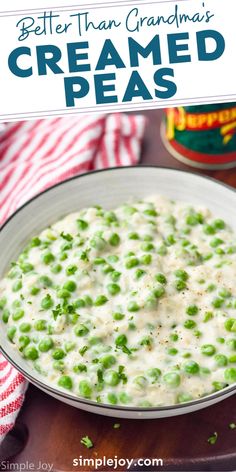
(96, 57)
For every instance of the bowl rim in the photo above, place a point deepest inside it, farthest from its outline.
(90, 403)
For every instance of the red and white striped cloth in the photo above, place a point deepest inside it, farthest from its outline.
(37, 154)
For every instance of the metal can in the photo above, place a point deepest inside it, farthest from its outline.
(202, 136)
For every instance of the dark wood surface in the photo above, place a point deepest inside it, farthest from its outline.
(51, 431)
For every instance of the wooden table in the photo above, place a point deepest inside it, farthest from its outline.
(54, 429)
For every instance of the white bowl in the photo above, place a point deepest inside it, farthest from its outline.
(109, 188)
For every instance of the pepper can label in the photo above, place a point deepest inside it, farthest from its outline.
(202, 136)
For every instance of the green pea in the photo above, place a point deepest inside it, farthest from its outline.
(133, 306)
(48, 258)
(150, 212)
(25, 327)
(230, 325)
(65, 382)
(113, 258)
(3, 302)
(113, 289)
(45, 344)
(230, 375)
(190, 324)
(66, 247)
(110, 217)
(231, 343)
(82, 225)
(151, 302)
(56, 268)
(79, 368)
(99, 261)
(98, 243)
(30, 352)
(40, 325)
(225, 293)
(219, 224)
(130, 210)
(146, 259)
(174, 337)
(108, 361)
(181, 274)
(16, 304)
(85, 389)
(132, 262)
(59, 365)
(208, 350)
(232, 359)
(159, 291)
(69, 346)
(70, 285)
(216, 242)
(148, 237)
(34, 291)
(162, 250)
(184, 397)
(125, 398)
(112, 378)
(17, 286)
(191, 367)
(88, 300)
(220, 340)
(63, 256)
(107, 269)
(121, 340)
(112, 398)
(81, 330)
(73, 318)
(45, 281)
(173, 379)
(79, 303)
(94, 340)
(23, 342)
(204, 371)
(58, 354)
(147, 247)
(217, 302)
(197, 333)
(5, 316)
(209, 229)
(18, 314)
(218, 386)
(35, 242)
(194, 219)
(211, 288)
(161, 278)
(133, 236)
(114, 239)
(62, 293)
(115, 275)
(208, 316)
(146, 341)
(11, 333)
(170, 240)
(100, 300)
(154, 373)
(192, 310)
(139, 273)
(172, 351)
(47, 302)
(26, 267)
(140, 381)
(118, 316)
(180, 285)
